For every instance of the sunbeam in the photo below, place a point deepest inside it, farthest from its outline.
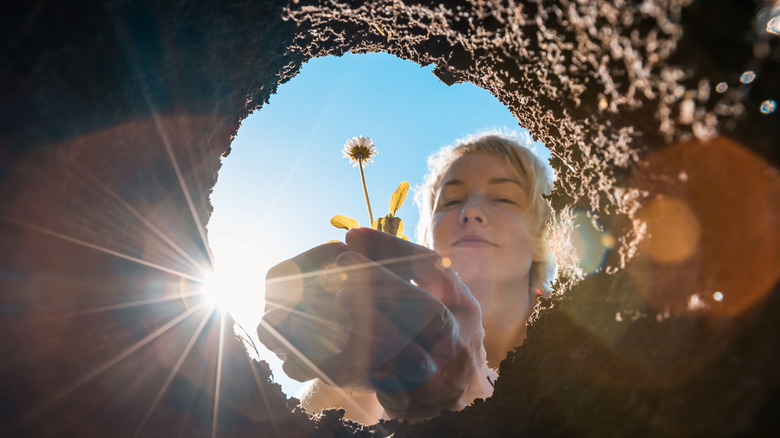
(175, 370)
(101, 369)
(180, 177)
(311, 317)
(218, 379)
(317, 273)
(164, 237)
(313, 133)
(266, 402)
(129, 304)
(324, 377)
(102, 249)
(132, 55)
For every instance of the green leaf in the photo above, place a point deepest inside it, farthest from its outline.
(341, 221)
(398, 197)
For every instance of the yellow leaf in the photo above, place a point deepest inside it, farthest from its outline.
(398, 197)
(403, 236)
(400, 230)
(389, 224)
(341, 221)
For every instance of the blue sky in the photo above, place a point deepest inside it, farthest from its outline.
(286, 178)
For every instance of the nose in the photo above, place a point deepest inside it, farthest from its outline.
(473, 211)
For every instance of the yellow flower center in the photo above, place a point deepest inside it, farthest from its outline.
(360, 153)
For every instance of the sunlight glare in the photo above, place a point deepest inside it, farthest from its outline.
(238, 283)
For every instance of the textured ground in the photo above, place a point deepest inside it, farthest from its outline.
(113, 116)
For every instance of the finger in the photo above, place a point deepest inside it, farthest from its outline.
(296, 364)
(315, 258)
(335, 370)
(408, 260)
(408, 319)
(380, 246)
(318, 328)
(387, 312)
(409, 369)
(338, 371)
(420, 387)
(274, 326)
(334, 374)
(297, 369)
(291, 276)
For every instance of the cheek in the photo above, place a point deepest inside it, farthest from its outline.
(441, 230)
(522, 244)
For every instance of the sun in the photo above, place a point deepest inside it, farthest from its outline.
(237, 284)
(221, 291)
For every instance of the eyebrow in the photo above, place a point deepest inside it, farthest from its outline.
(457, 182)
(505, 180)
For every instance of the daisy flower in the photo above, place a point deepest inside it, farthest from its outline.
(359, 150)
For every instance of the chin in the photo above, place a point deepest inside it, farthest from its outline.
(469, 272)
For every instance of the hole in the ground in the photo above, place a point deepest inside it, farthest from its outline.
(285, 177)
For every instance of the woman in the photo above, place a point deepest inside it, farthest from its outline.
(396, 330)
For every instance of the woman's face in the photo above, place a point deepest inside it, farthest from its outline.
(480, 223)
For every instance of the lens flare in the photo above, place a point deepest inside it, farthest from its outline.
(592, 243)
(768, 106)
(773, 25)
(674, 229)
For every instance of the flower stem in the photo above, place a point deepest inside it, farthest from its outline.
(365, 192)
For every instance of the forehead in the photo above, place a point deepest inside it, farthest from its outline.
(477, 168)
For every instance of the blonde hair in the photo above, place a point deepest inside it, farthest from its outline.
(537, 175)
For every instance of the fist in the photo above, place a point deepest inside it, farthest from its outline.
(376, 312)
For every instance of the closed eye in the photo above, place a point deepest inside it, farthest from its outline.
(451, 202)
(506, 201)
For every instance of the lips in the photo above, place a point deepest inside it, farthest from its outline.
(472, 240)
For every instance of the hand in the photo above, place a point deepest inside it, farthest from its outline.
(382, 313)
(302, 323)
(435, 321)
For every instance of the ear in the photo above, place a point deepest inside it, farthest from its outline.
(541, 277)
(544, 293)
(539, 291)
(540, 250)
